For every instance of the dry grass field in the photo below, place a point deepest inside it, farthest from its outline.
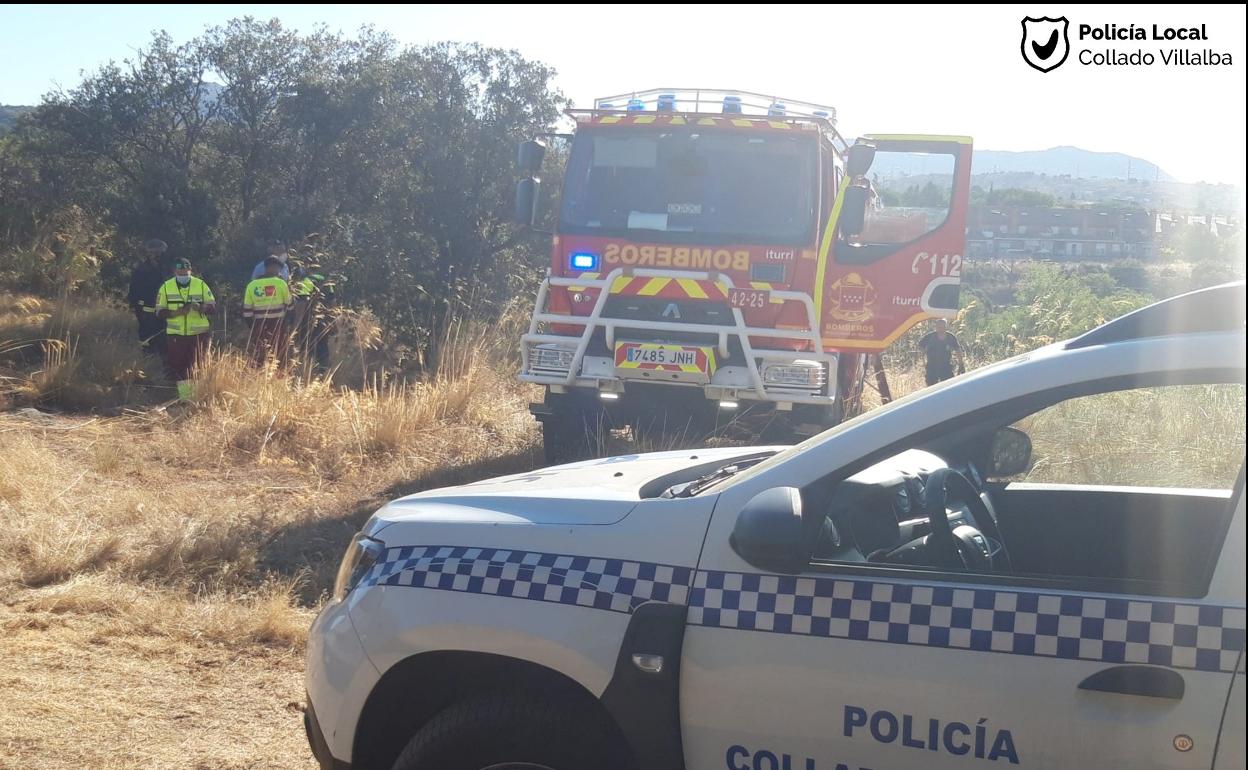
(159, 569)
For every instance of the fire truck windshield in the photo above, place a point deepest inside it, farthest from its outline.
(692, 186)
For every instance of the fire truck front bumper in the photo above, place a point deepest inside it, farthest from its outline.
(609, 353)
(779, 377)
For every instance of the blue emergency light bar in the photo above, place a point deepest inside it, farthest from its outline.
(583, 260)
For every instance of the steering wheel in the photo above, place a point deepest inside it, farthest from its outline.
(965, 546)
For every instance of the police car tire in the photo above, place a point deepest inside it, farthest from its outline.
(493, 730)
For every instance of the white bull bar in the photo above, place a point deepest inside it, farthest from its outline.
(739, 329)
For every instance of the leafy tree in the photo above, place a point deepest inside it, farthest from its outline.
(389, 164)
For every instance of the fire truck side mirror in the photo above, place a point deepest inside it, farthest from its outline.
(854, 211)
(860, 158)
(529, 157)
(526, 201)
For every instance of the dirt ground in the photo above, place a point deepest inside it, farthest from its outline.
(74, 696)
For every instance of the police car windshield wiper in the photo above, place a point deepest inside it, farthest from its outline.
(691, 488)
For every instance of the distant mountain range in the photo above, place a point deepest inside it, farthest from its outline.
(1055, 161)
(8, 115)
(1066, 160)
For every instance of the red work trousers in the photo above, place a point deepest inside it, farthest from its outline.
(183, 352)
(268, 338)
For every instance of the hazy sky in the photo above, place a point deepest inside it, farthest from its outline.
(941, 69)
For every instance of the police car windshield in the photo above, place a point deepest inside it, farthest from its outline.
(687, 186)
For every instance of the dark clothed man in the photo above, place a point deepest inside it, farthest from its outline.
(940, 348)
(145, 282)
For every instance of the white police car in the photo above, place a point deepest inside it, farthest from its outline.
(922, 587)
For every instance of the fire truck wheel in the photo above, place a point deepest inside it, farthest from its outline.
(570, 437)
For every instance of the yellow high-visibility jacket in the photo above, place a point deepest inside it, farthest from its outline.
(304, 288)
(172, 297)
(267, 298)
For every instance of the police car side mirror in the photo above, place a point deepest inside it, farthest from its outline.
(529, 157)
(768, 533)
(1009, 454)
(526, 201)
(854, 211)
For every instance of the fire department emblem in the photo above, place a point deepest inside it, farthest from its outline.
(850, 299)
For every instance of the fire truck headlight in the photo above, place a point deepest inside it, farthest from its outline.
(583, 260)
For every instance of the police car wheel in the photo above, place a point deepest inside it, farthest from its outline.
(506, 732)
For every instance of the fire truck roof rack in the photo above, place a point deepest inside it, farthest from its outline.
(712, 100)
(717, 101)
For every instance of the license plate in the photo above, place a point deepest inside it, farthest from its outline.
(644, 356)
(748, 298)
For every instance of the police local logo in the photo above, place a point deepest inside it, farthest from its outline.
(1046, 45)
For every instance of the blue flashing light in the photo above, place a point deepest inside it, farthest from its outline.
(636, 105)
(777, 109)
(820, 113)
(667, 103)
(583, 260)
(606, 106)
(732, 105)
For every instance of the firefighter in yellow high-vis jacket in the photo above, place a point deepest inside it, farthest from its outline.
(185, 303)
(266, 301)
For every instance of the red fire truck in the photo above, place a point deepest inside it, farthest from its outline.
(727, 256)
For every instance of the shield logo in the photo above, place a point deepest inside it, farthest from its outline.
(1045, 42)
(850, 299)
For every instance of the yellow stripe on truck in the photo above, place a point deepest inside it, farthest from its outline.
(691, 288)
(829, 233)
(919, 138)
(653, 286)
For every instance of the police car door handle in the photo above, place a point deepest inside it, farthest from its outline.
(1149, 681)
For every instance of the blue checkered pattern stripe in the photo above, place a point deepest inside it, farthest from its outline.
(583, 581)
(1189, 636)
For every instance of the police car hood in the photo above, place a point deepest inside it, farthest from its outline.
(590, 492)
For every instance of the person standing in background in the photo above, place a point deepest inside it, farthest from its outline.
(315, 296)
(145, 282)
(185, 303)
(266, 302)
(277, 250)
(939, 349)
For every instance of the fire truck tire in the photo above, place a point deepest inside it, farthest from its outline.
(567, 437)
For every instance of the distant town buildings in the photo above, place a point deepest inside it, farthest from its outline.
(1219, 227)
(1018, 232)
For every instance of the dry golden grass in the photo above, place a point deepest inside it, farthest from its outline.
(1186, 436)
(159, 569)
